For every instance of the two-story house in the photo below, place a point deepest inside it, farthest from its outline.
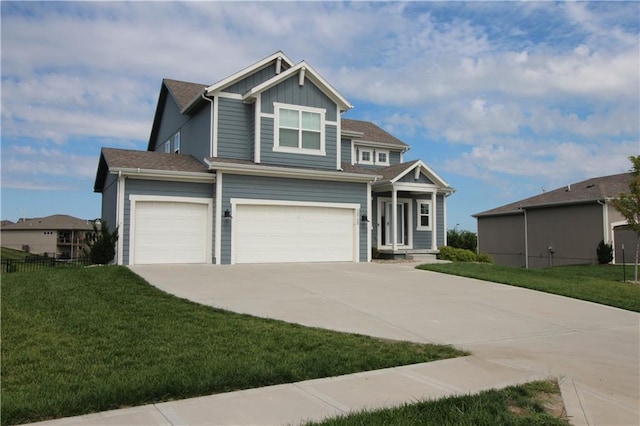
(260, 167)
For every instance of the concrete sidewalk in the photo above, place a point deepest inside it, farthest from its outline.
(514, 334)
(320, 398)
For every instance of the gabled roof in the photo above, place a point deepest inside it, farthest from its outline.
(56, 221)
(393, 174)
(586, 191)
(371, 133)
(183, 92)
(234, 78)
(112, 159)
(308, 73)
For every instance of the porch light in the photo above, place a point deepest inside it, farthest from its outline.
(364, 218)
(227, 215)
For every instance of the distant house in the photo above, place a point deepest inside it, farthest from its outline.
(260, 167)
(559, 227)
(59, 235)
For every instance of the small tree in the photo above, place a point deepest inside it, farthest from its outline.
(604, 252)
(102, 245)
(628, 204)
(462, 239)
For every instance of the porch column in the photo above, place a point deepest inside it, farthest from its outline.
(394, 219)
(434, 225)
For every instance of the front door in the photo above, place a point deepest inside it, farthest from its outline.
(385, 221)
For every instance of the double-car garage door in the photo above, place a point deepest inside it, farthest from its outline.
(179, 232)
(293, 233)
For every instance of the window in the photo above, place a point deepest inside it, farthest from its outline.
(299, 129)
(176, 143)
(424, 215)
(382, 158)
(167, 146)
(365, 156)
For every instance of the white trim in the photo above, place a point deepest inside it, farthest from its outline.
(228, 95)
(434, 225)
(605, 221)
(354, 154)
(234, 78)
(409, 225)
(369, 225)
(257, 135)
(277, 106)
(385, 145)
(171, 175)
(216, 112)
(176, 143)
(289, 172)
(134, 199)
(331, 123)
(419, 226)
(377, 157)
(210, 123)
(429, 172)
(218, 218)
(355, 207)
(444, 222)
(267, 115)
(365, 150)
(120, 217)
(167, 146)
(338, 140)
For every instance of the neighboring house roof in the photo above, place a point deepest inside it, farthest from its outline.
(6, 222)
(132, 160)
(590, 190)
(56, 221)
(371, 132)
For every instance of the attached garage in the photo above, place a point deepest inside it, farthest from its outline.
(272, 232)
(170, 230)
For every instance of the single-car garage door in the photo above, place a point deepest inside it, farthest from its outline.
(289, 233)
(170, 232)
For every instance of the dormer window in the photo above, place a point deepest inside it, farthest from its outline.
(299, 129)
(365, 156)
(371, 156)
(382, 158)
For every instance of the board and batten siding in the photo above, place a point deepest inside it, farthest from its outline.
(285, 189)
(110, 202)
(290, 92)
(234, 123)
(269, 156)
(410, 177)
(253, 80)
(165, 189)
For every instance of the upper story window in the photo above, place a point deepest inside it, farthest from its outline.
(167, 146)
(299, 129)
(424, 215)
(176, 143)
(372, 156)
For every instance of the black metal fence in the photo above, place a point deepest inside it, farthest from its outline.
(38, 263)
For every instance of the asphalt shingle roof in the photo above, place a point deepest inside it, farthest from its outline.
(183, 92)
(56, 221)
(587, 190)
(151, 160)
(371, 132)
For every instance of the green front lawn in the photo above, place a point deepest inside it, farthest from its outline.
(83, 340)
(537, 403)
(595, 283)
(8, 253)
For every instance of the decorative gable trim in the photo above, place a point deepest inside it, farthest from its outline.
(428, 171)
(279, 57)
(304, 71)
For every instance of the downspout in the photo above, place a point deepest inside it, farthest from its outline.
(211, 149)
(526, 241)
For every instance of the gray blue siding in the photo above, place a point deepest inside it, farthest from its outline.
(345, 150)
(410, 177)
(234, 122)
(170, 122)
(195, 134)
(253, 80)
(272, 188)
(160, 188)
(394, 158)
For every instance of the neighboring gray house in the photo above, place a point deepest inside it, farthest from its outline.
(59, 235)
(559, 227)
(259, 168)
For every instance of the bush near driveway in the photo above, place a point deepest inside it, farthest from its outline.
(463, 255)
(82, 340)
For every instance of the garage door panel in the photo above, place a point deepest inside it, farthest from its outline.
(170, 232)
(282, 233)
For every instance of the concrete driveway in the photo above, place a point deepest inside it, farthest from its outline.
(594, 350)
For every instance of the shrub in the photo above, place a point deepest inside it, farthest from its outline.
(484, 258)
(102, 245)
(457, 254)
(605, 253)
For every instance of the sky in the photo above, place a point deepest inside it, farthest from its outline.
(502, 99)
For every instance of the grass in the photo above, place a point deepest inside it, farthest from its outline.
(8, 253)
(595, 283)
(537, 403)
(83, 340)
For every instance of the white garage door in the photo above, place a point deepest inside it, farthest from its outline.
(281, 233)
(170, 232)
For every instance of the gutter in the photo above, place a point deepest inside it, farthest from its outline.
(259, 170)
(159, 174)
